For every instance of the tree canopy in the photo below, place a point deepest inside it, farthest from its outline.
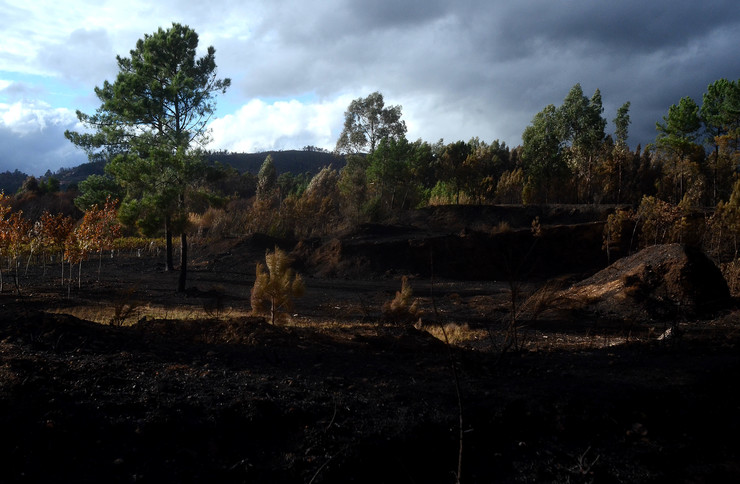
(680, 128)
(366, 122)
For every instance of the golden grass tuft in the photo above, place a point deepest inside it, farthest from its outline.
(456, 333)
(106, 314)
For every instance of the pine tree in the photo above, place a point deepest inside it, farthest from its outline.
(150, 124)
(275, 288)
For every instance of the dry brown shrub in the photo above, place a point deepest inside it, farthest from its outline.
(501, 228)
(660, 222)
(214, 302)
(403, 308)
(731, 271)
(618, 233)
(126, 306)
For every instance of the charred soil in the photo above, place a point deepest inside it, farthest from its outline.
(192, 389)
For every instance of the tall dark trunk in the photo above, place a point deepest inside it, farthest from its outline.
(169, 264)
(619, 185)
(714, 184)
(183, 262)
(589, 180)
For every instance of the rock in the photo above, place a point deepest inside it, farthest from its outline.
(662, 281)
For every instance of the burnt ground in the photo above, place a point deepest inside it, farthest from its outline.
(190, 389)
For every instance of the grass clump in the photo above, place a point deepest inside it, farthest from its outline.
(451, 333)
(403, 308)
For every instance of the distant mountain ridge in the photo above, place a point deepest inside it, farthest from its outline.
(293, 161)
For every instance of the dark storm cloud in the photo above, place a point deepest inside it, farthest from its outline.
(83, 56)
(37, 151)
(624, 28)
(32, 138)
(650, 53)
(498, 63)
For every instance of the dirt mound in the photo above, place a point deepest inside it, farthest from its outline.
(662, 281)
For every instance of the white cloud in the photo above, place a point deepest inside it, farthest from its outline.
(25, 118)
(260, 126)
(32, 138)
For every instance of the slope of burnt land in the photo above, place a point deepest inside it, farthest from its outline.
(513, 254)
(484, 218)
(469, 242)
(335, 396)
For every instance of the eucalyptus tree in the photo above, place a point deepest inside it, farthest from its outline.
(615, 167)
(621, 124)
(582, 128)
(542, 155)
(366, 122)
(151, 121)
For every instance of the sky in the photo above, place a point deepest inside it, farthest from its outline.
(459, 68)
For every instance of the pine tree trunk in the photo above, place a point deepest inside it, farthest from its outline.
(169, 264)
(183, 262)
(619, 186)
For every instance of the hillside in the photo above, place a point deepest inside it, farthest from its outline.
(68, 176)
